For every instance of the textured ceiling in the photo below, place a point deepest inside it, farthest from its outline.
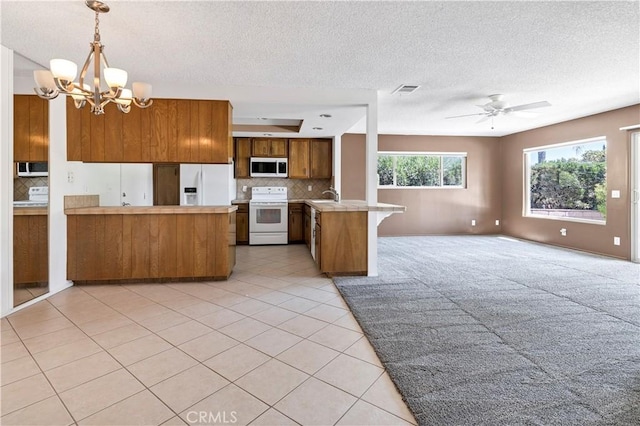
(296, 60)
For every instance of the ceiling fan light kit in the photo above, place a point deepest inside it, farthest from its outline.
(60, 78)
(498, 107)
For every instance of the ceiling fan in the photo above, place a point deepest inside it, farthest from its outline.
(499, 107)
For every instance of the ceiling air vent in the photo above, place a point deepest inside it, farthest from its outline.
(406, 88)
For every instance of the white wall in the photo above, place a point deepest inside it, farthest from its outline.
(6, 180)
(58, 188)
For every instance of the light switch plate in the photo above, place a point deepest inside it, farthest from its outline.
(616, 241)
(615, 193)
(473, 222)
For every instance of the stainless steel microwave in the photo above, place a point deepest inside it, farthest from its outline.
(269, 167)
(32, 169)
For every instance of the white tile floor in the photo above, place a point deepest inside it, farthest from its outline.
(274, 345)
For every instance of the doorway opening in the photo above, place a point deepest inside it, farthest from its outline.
(166, 184)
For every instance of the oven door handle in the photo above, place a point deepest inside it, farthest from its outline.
(268, 205)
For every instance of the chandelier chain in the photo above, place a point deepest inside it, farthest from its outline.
(96, 35)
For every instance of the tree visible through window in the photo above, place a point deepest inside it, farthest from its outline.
(421, 170)
(568, 180)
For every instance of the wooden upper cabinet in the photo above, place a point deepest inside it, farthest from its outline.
(264, 147)
(278, 148)
(310, 158)
(243, 157)
(299, 158)
(30, 128)
(169, 131)
(321, 159)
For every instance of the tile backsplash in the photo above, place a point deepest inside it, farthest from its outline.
(21, 186)
(297, 188)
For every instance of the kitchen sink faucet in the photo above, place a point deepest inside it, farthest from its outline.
(332, 191)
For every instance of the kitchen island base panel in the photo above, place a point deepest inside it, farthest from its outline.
(115, 247)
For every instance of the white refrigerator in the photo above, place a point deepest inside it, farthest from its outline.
(214, 184)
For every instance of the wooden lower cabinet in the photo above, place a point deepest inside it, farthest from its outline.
(296, 223)
(318, 242)
(307, 226)
(113, 247)
(341, 242)
(30, 249)
(242, 224)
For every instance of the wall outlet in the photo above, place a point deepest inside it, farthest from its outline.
(616, 241)
(244, 188)
(70, 177)
(563, 232)
(473, 222)
(615, 193)
(497, 222)
(310, 188)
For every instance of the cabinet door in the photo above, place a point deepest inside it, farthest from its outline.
(243, 156)
(321, 160)
(296, 225)
(307, 227)
(242, 228)
(21, 132)
(31, 128)
(299, 158)
(170, 131)
(260, 147)
(278, 148)
(318, 232)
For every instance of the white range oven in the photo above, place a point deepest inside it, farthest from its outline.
(268, 215)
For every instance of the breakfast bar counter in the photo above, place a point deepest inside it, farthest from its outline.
(151, 243)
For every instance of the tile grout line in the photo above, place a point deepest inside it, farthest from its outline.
(253, 297)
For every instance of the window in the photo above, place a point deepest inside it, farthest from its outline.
(567, 181)
(422, 170)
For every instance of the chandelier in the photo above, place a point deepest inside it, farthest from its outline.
(60, 78)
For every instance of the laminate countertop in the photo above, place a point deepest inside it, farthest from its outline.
(151, 210)
(326, 205)
(30, 211)
(353, 206)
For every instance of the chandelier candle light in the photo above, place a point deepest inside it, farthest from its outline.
(60, 78)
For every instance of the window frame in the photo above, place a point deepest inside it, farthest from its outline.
(526, 193)
(440, 155)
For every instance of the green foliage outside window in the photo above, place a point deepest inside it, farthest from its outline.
(576, 183)
(420, 170)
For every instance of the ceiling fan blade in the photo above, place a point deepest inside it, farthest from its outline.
(487, 107)
(527, 106)
(483, 119)
(467, 115)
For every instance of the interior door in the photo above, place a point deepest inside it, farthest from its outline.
(166, 184)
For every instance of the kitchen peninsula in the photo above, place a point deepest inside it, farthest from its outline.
(337, 233)
(155, 243)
